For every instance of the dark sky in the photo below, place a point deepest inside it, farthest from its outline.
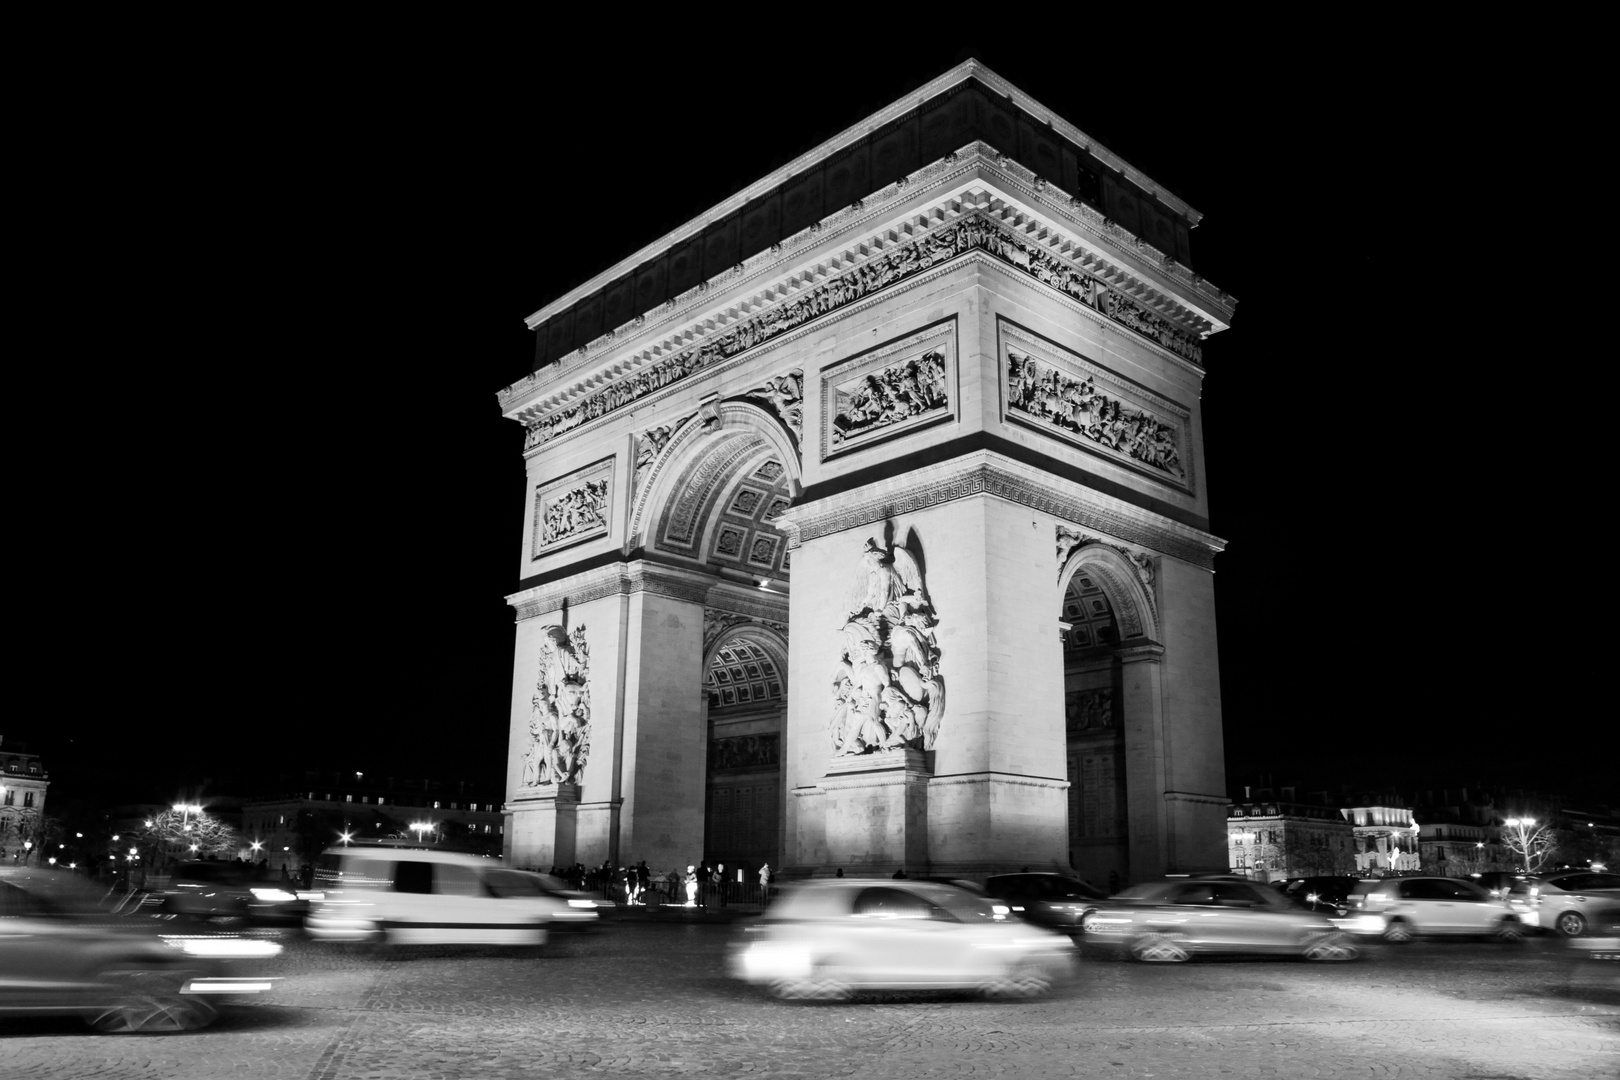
(295, 509)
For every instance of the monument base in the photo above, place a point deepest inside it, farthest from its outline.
(876, 808)
(542, 826)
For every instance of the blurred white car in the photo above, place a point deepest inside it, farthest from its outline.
(829, 938)
(1400, 909)
(407, 896)
(1563, 901)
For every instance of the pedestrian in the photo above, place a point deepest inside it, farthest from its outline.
(691, 885)
(718, 880)
(764, 883)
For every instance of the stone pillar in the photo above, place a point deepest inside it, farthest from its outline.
(543, 820)
(664, 769)
(1142, 714)
(876, 809)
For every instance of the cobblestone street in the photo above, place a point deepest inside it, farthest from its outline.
(652, 999)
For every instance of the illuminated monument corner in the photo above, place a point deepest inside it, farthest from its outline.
(943, 375)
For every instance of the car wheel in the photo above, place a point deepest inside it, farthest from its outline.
(1160, 949)
(1019, 981)
(824, 983)
(1088, 922)
(1398, 932)
(1510, 929)
(1332, 947)
(149, 1001)
(1570, 924)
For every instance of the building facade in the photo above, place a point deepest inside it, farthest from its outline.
(1280, 839)
(865, 522)
(23, 783)
(291, 829)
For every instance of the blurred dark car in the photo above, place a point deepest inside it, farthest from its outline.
(1171, 921)
(1562, 901)
(831, 937)
(1329, 895)
(1399, 909)
(1054, 900)
(228, 892)
(61, 955)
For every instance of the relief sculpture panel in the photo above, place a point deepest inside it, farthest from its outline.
(887, 688)
(573, 508)
(890, 390)
(1061, 394)
(560, 711)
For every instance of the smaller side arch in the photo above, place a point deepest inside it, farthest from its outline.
(1134, 607)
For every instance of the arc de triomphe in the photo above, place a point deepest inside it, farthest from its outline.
(865, 520)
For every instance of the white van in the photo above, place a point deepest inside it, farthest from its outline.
(404, 896)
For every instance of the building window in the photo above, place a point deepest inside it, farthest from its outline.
(28, 799)
(11, 797)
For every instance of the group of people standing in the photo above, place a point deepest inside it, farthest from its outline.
(699, 884)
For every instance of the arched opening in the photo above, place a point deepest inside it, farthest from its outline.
(706, 509)
(1104, 610)
(745, 684)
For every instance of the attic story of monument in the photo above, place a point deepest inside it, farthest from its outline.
(864, 522)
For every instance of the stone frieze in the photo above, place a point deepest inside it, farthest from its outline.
(975, 233)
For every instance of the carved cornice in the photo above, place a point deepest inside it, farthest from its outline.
(620, 579)
(884, 266)
(576, 589)
(1010, 779)
(987, 473)
(675, 319)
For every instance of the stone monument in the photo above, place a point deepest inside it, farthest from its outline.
(865, 524)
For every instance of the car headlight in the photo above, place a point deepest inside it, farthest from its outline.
(223, 948)
(272, 895)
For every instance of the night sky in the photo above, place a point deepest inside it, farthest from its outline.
(300, 509)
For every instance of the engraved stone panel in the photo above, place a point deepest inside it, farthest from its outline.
(1062, 394)
(895, 388)
(573, 508)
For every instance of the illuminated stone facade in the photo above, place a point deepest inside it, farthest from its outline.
(1277, 840)
(875, 496)
(23, 783)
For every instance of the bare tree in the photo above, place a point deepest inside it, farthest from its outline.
(1530, 841)
(188, 832)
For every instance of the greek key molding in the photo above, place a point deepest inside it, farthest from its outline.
(621, 579)
(979, 477)
(1010, 779)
